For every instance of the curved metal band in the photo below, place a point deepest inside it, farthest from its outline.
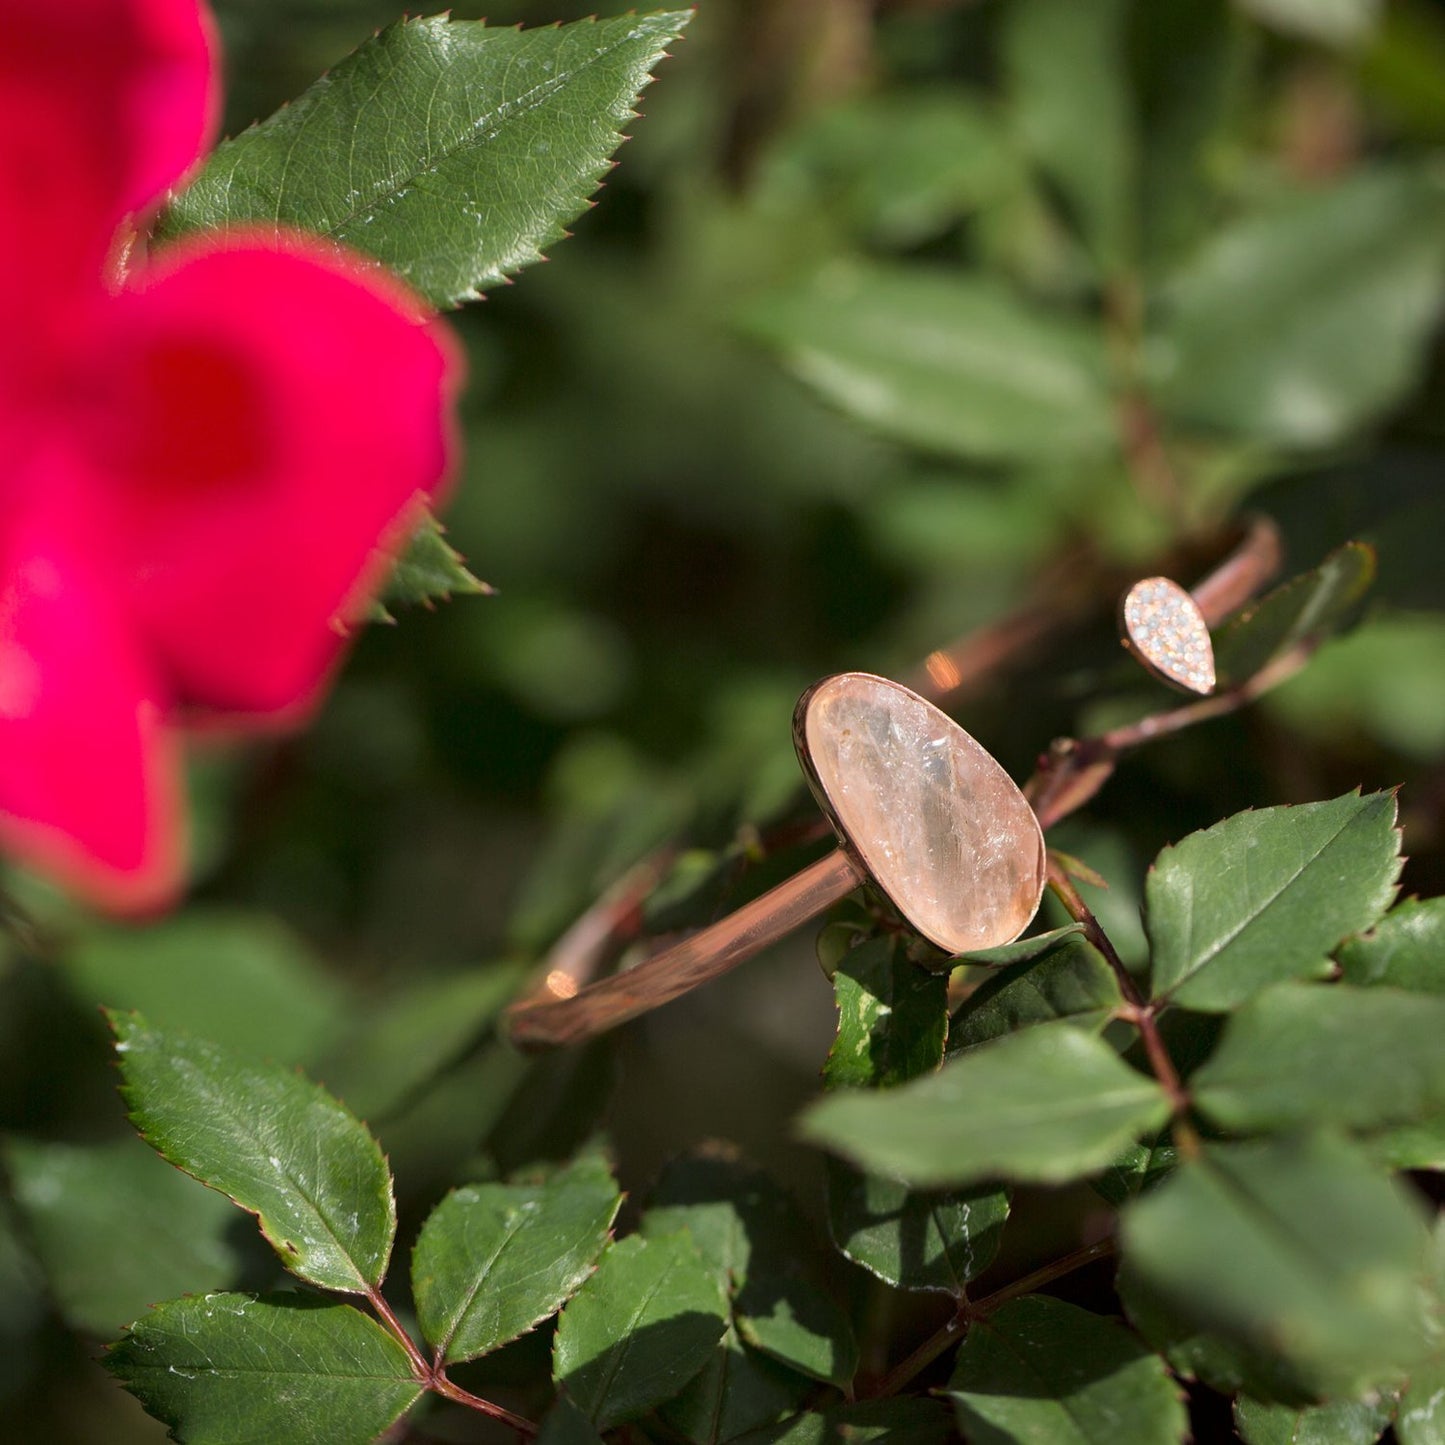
(565, 1009)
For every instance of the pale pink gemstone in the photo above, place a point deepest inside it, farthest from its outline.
(941, 827)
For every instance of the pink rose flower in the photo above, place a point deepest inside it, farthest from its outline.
(205, 463)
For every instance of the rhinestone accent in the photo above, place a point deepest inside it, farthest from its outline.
(1166, 631)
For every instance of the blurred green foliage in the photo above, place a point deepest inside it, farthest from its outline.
(735, 435)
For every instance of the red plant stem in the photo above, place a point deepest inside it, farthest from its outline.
(1138, 1010)
(968, 1313)
(394, 1327)
(1074, 769)
(445, 1388)
(433, 1377)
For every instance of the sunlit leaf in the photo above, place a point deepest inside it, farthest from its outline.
(1264, 896)
(451, 152)
(223, 1368)
(277, 1144)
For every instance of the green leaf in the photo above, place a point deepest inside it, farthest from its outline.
(567, 1425)
(951, 363)
(1420, 1419)
(116, 1229)
(1264, 896)
(1335, 22)
(1021, 950)
(224, 1368)
(745, 1225)
(910, 1421)
(738, 1390)
(914, 1238)
(451, 152)
(277, 1144)
(795, 1323)
(898, 167)
(1306, 608)
(1298, 324)
(892, 1017)
(1069, 99)
(749, 1232)
(1296, 1249)
(1301, 1054)
(1048, 1373)
(1049, 1104)
(264, 994)
(1385, 679)
(1072, 983)
(407, 1038)
(1346, 1422)
(1141, 1166)
(1405, 949)
(493, 1260)
(639, 1329)
(429, 570)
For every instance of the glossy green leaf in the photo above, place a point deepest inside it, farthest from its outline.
(116, 1228)
(738, 1390)
(914, 1238)
(640, 1328)
(1405, 949)
(264, 994)
(798, 1325)
(1346, 1422)
(1420, 1419)
(1295, 1248)
(429, 570)
(405, 1039)
(1264, 896)
(1140, 1167)
(892, 1017)
(744, 1224)
(277, 1144)
(1071, 982)
(1069, 100)
(1021, 950)
(1048, 1373)
(451, 152)
(493, 1260)
(749, 1232)
(947, 362)
(1302, 1054)
(1224, 1363)
(1306, 608)
(1302, 322)
(1048, 1104)
(225, 1368)
(1335, 22)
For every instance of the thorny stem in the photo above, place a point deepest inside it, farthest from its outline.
(433, 1377)
(969, 1312)
(1138, 1010)
(1074, 769)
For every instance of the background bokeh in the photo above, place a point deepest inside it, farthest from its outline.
(691, 508)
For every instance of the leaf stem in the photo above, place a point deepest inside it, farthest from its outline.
(394, 1327)
(952, 1329)
(454, 1392)
(1138, 1010)
(433, 1376)
(1074, 769)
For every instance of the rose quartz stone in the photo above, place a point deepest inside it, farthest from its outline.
(941, 827)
